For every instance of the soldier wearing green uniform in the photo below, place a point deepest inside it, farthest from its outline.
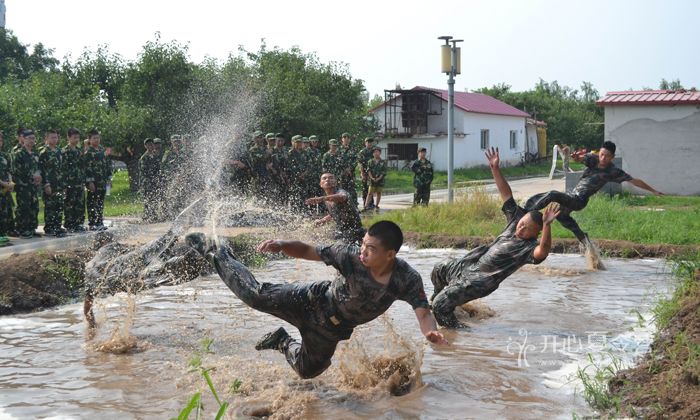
(98, 173)
(376, 172)
(278, 168)
(348, 163)
(296, 163)
(171, 169)
(332, 160)
(27, 176)
(149, 174)
(74, 180)
(258, 158)
(51, 167)
(422, 178)
(363, 157)
(6, 188)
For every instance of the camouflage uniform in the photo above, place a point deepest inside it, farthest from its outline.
(149, 177)
(481, 271)
(348, 224)
(422, 178)
(313, 158)
(172, 180)
(51, 166)
(332, 164)
(26, 165)
(6, 202)
(280, 177)
(258, 158)
(325, 312)
(296, 162)
(363, 157)
(348, 162)
(74, 181)
(98, 170)
(376, 168)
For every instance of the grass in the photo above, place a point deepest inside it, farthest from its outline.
(641, 219)
(402, 181)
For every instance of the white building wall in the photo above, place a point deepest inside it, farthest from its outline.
(658, 144)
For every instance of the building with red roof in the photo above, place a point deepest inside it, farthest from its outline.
(413, 118)
(657, 133)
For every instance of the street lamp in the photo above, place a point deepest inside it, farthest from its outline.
(451, 65)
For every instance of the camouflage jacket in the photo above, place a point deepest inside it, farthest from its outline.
(422, 172)
(364, 156)
(297, 164)
(51, 166)
(5, 167)
(171, 163)
(348, 161)
(258, 158)
(98, 167)
(278, 157)
(26, 165)
(332, 163)
(73, 171)
(377, 168)
(149, 167)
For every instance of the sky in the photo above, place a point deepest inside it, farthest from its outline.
(614, 44)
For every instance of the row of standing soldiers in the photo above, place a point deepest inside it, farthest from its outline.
(61, 176)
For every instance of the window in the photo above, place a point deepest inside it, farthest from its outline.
(403, 151)
(484, 139)
(513, 139)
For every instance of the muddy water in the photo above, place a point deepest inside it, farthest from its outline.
(515, 361)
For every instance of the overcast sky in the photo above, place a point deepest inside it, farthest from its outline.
(615, 44)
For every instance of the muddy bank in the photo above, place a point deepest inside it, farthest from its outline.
(666, 384)
(45, 279)
(619, 249)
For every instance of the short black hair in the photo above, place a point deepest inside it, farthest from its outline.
(609, 146)
(536, 217)
(93, 132)
(388, 233)
(20, 131)
(50, 131)
(422, 149)
(73, 131)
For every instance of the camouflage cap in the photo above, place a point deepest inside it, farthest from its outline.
(175, 137)
(313, 138)
(333, 142)
(279, 135)
(156, 140)
(305, 139)
(148, 140)
(270, 136)
(375, 148)
(297, 138)
(345, 135)
(257, 134)
(369, 140)
(27, 132)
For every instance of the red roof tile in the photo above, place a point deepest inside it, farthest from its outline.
(651, 97)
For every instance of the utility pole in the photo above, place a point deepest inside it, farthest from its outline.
(451, 66)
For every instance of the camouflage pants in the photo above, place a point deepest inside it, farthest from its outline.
(7, 222)
(306, 306)
(568, 204)
(96, 206)
(365, 191)
(74, 207)
(53, 210)
(422, 195)
(450, 293)
(27, 214)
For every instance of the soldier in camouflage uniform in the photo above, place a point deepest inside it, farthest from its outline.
(278, 168)
(481, 271)
(314, 161)
(6, 188)
(98, 173)
(172, 169)
(296, 164)
(422, 178)
(326, 312)
(348, 164)
(332, 162)
(258, 158)
(149, 177)
(51, 167)
(376, 174)
(348, 225)
(74, 181)
(363, 157)
(27, 177)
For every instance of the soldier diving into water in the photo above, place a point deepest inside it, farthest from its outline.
(326, 312)
(341, 209)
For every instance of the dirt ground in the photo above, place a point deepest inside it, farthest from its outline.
(666, 384)
(621, 249)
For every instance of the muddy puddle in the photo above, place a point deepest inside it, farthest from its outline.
(517, 359)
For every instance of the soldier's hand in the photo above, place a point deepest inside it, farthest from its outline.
(493, 157)
(270, 245)
(550, 213)
(436, 337)
(91, 187)
(313, 200)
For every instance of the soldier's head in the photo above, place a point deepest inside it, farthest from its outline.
(94, 137)
(368, 142)
(345, 139)
(333, 145)
(606, 154)
(421, 153)
(157, 144)
(305, 143)
(529, 226)
(148, 144)
(297, 142)
(51, 138)
(259, 138)
(28, 139)
(313, 140)
(20, 136)
(270, 139)
(328, 181)
(381, 244)
(73, 136)
(376, 152)
(279, 140)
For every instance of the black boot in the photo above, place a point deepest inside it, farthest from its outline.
(273, 340)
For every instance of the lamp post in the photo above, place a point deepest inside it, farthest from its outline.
(451, 66)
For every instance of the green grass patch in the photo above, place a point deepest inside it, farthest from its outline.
(639, 219)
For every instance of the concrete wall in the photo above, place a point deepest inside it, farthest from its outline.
(658, 144)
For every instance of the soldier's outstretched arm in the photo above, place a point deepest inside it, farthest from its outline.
(494, 161)
(294, 249)
(643, 185)
(550, 214)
